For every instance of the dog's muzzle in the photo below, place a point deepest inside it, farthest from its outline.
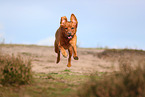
(70, 36)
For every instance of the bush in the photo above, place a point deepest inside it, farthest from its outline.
(14, 70)
(120, 84)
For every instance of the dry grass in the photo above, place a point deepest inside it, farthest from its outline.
(120, 84)
(129, 81)
(116, 54)
(14, 70)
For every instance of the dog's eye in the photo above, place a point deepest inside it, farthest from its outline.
(72, 28)
(66, 28)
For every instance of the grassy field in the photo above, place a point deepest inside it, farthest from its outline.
(123, 76)
(64, 84)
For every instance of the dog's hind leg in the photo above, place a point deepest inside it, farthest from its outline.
(58, 57)
(58, 52)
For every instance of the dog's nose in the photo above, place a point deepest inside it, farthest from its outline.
(69, 33)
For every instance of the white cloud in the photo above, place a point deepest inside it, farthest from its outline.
(47, 41)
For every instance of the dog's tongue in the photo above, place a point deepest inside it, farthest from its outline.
(69, 37)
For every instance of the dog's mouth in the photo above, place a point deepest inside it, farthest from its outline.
(69, 36)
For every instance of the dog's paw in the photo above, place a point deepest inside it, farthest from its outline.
(68, 65)
(64, 54)
(57, 61)
(76, 58)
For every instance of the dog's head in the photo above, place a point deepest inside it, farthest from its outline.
(69, 28)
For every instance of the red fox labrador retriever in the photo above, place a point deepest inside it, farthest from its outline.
(65, 38)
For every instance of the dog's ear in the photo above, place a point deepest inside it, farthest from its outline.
(63, 20)
(73, 19)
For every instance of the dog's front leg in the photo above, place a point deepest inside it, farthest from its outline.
(73, 44)
(62, 51)
(75, 51)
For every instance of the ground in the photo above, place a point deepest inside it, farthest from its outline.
(57, 80)
(44, 59)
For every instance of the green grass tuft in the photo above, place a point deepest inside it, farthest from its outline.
(67, 70)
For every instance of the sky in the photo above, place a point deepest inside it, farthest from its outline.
(101, 23)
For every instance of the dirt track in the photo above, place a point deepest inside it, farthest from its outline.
(44, 59)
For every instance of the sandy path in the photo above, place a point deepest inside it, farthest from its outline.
(44, 58)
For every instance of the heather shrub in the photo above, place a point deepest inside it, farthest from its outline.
(123, 83)
(14, 70)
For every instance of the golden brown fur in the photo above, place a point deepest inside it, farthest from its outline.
(65, 38)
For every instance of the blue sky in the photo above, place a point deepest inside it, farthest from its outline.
(101, 23)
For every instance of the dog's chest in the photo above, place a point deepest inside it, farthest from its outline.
(65, 44)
